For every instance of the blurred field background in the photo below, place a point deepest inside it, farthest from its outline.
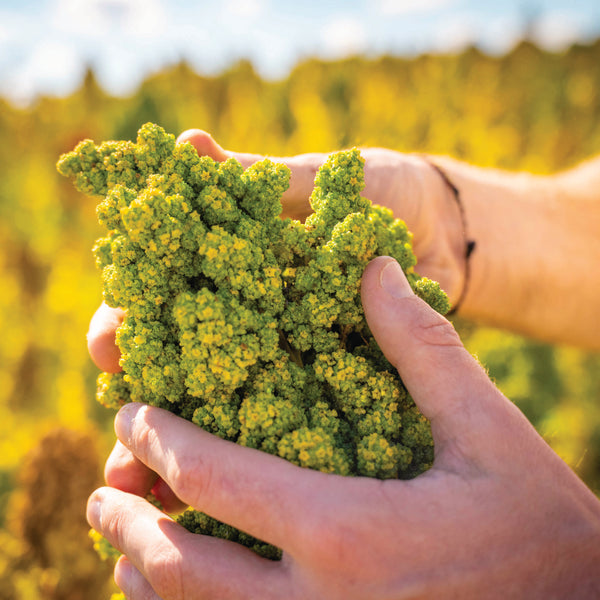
(528, 109)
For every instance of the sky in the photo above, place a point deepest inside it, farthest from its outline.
(46, 45)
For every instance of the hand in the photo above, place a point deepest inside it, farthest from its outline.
(404, 183)
(499, 515)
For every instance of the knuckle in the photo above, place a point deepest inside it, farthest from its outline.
(193, 479)
(143, 439)
(165, 572)
(115, 527)
(433, 329)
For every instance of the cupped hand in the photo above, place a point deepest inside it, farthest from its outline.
(499, 515)
(406, 184)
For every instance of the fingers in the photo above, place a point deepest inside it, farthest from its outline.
(206, 146)
(127, 473)
(165, 495)
(101, 338)
(172, 562)
(204, 143)
(131, 582)
(303, 168)
(101, 334)
(419, 342)
(261, 494)
(446, 382)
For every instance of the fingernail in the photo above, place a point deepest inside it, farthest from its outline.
(393, 280)
(94, 510)
(124, 420)
(124, 573)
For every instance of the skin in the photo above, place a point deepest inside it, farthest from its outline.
(537, 238)
(499, 515)
(404, 183)
(538, 247)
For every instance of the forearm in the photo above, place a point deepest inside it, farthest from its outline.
(535, 267)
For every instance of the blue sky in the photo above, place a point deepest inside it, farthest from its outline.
(45, 45)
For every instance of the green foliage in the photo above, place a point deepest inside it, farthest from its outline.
(249, 325)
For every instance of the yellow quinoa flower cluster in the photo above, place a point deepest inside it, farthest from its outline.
(245, 323)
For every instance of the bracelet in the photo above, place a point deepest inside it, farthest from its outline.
(469, 243)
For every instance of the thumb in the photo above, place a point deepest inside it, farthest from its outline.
(448, 385)
(101, 340)
(204, 143)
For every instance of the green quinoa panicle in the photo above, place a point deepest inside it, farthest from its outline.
(247, 324)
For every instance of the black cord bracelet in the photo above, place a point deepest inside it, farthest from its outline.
(469, 243)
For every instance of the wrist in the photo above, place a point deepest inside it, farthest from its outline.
(513, 217)
(538, 248)
(463, 244)
(507, 214)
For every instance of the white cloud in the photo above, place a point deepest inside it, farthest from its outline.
(5, 35)
(244, 8)
(123, 39)
(557, 30)
(12, 27)
(46, 52)
(343, 37)
(399, 7)
(52, 67)
(501, 35)
(495, 36)
(98, 18)
(454, 35)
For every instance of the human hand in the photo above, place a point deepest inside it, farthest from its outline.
(404, 183)
(499, 515)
